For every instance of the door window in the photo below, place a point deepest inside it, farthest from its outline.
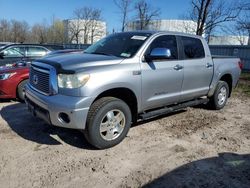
(165, 41)
(193, 48)
(36, 51)
(14, 52)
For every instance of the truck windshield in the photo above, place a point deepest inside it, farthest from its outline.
(123, 45)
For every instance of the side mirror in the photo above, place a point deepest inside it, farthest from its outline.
(159, 53)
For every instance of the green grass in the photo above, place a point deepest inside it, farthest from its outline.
(245, 76)
(243, 88)
(244, 85)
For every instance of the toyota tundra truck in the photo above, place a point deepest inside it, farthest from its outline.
(127, 77)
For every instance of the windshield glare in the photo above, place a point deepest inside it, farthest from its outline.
(123, 45)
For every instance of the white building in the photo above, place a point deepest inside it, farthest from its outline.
(84, 31)
(185, 26)
(228, 40)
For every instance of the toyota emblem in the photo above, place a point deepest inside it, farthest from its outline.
(35, 79)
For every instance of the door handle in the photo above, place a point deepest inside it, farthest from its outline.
(208, 65)
(178, 67)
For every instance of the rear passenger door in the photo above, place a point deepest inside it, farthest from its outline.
(161, 80)
(198, 68)
(34, 52)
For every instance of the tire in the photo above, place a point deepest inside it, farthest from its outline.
(108, 122)
(219, 99)
(20, 87)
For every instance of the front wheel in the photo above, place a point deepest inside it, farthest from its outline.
(219, 99)
(20, 90)
(108, 122)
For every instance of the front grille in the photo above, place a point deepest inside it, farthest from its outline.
(40, 79)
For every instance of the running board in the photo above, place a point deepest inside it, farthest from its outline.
(167, 110)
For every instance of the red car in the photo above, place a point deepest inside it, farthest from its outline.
(12, 81)
(13, 78)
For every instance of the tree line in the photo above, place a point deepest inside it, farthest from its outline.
(19, 32)
(210, 16)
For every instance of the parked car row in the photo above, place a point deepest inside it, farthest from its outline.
(10, 54)
(14, 77)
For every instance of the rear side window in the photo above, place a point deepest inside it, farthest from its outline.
(36, 51)
(165, 41)
(193, 48)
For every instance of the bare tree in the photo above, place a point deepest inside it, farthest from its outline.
(124, 7)
(13, 31)
(74, 30)
(243, 23)
(48, 33)
(86, 18)
(145, 13)
(96, 30)
(19, 31)
(39, 33)
(238, 33)
(94, 24)
(5, 28)
(84, 23)
(240, 28)
(209, 14)
(55, 32)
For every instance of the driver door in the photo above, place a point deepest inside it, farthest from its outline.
(162, 78)
(12, 55)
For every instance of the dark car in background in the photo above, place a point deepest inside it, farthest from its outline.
(12, 80)
(14, 77)
(10, 54)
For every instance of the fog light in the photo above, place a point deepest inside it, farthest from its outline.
(63, 117)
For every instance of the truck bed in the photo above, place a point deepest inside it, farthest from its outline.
(222, 57)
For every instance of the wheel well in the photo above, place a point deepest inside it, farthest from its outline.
(228, 79)
(124, 94)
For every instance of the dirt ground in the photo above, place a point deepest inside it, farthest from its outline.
(193, 148)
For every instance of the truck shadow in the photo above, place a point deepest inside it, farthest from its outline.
(36, 130)
(226, 170)
(33, 129)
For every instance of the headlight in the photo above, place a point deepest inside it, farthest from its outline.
(5, 76)
(72, 80)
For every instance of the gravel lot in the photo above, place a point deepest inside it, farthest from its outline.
(195, 147)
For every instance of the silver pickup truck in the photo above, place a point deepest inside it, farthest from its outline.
(127, 77)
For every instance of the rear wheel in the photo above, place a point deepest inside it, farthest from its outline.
(219, 99)
(108, 122)
(20, 90)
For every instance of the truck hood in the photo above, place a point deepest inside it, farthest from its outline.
(74, 62)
